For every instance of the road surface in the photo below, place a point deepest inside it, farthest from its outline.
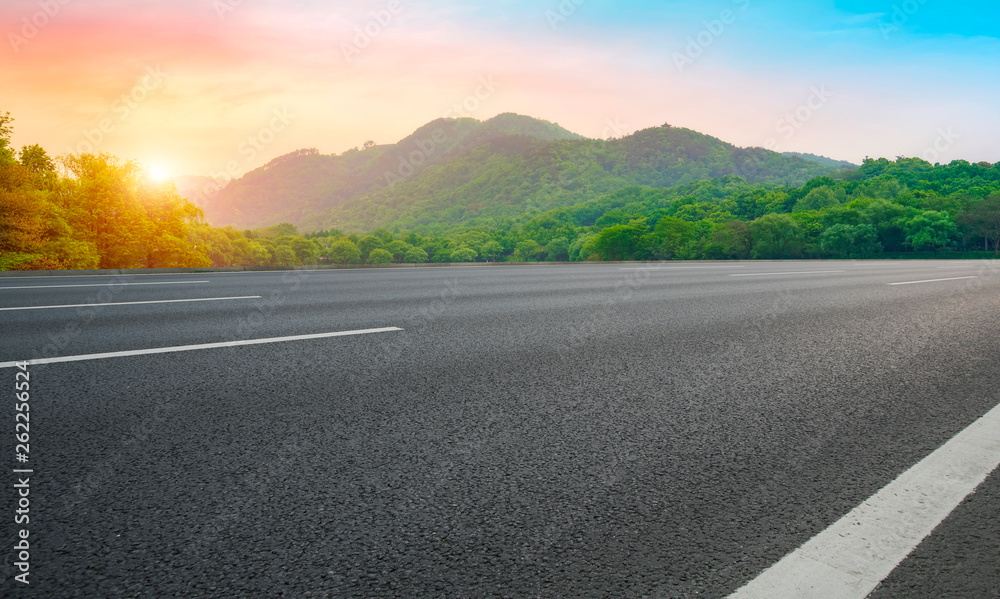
(664, 430)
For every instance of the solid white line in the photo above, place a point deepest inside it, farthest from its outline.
(932, 281)
(851, 557)
(200, 299)
(764, 274)
(180, 348)
(103, 285)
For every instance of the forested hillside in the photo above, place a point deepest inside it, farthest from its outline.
(299, 186)
(464, 171)
(90, 211)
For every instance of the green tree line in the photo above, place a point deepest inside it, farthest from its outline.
(96, 211)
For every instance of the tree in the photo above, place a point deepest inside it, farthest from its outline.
(71, 254)
(464, 254)
(817, 199)
(583, 249)
(167, 251)
(398, 250)
(22, 221)
(415, 255)
(622, 242)
(983, 219)
(850, 241)
(37, 162)
(368, 243)
(280, 230)
(492, 250)
(838, 240)
(306, 250)
(379, 256)
(929, 230)
(6, 153)
(669, 235)
(343, 251)
(102, 205)
(526, 250)
(739, 236)
(285, 256)
(866, 241)
(557, 250)
(776, 236)
(255, 254)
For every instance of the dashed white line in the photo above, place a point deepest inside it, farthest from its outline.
(174, 301)
(931, 281)
(103, 285)
(182, 348)
(851, 557)
(803, 272)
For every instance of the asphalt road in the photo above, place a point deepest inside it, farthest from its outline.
(532, 431)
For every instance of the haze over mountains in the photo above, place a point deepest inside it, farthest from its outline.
(460, 170)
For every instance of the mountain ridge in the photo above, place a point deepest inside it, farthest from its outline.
(454, 170)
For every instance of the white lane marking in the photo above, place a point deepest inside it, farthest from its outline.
(932, 280)
(803, 272)
(177, 301)
(103, 285)
(851, 557)
(120, 276)
(180, 348)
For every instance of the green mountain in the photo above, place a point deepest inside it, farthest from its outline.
(831, 162)
(464, 170)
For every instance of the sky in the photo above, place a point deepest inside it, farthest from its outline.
(220, 87)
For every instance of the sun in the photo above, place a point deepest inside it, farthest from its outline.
(158, 172)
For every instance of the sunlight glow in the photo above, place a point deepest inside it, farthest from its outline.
(158, 172)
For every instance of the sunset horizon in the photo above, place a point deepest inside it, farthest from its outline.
(193, 86)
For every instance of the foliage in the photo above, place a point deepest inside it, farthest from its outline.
(464, 254)
(415, 255)
(983, 220)
(466, 172)
(99, 213)
(379, 256)
(96, 211)
(343, 251)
